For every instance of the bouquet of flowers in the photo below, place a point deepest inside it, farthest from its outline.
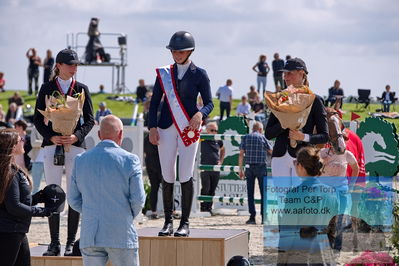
(373, 259)
(291, 107)
(64, 112)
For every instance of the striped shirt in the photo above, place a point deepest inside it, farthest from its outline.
(255, 147)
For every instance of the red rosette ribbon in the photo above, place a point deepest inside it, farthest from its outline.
(189, 136)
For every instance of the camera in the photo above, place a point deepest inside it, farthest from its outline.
(93, 28)
(59, 155)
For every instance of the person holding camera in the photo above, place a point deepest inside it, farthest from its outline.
(33, 69)
(16, 202)
(55, 158)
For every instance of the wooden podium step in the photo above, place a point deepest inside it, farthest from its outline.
(204, 247)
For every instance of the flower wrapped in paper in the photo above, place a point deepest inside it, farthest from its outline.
(291, 107)
(64, 113)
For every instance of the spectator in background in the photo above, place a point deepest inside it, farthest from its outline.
(259, 107)
(277, 66)
(354, 144)
(33, 70)
(253, 149)
(387, 98)
(212, 153)
(252, 94)
(36, 158)
(23, 160)
(146, 107)
(16, 98)
(102, 111)
(262, 69)
(101, 89)
(335, 94)
(287, 57)
(146, 104)
(153, 166)
(141, 91)
(2, 114)
(244, 108)
(2, 82)
(225, 96)
(11, 115)
(48, 65)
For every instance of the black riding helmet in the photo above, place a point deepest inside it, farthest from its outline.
(181, 41)
(238, 261)
(54, 198)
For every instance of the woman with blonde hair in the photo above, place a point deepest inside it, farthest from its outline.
(315, 130)
(16, 202)
(63, 83)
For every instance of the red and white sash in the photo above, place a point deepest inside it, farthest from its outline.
(179, 115)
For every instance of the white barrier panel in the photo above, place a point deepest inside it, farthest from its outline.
(133, 139)
(231, 188)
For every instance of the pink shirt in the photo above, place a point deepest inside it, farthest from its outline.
(336, 165)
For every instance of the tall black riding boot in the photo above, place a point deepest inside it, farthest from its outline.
(73, 224)
(187, 190)
(55, 247)
(167, 195)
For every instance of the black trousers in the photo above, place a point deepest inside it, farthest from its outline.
(224, 106)
(33, 76)
(155, 181)
(209, 183)
(14, 249)
(279, 81)
(46, 75)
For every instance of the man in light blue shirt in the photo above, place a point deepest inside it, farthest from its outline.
(103, 111)
(225, 96)
(107, 188)
(244, 108)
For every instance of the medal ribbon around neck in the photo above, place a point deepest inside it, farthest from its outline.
(179, 115)
(70, 90)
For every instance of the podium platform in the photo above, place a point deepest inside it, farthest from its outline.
(37, 259)
(204, 247)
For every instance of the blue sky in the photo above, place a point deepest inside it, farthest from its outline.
(355, 41)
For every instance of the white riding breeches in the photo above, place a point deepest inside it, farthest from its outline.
(53, 173)
(284, 173)
(170, 144)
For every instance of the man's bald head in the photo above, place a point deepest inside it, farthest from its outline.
(111, 127)
(257, 127)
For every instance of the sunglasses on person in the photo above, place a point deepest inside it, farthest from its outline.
(213, 130)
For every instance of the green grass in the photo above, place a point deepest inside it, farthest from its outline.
(124, 109)
(120, 109)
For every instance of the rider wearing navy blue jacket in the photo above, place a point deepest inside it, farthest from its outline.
(194, 81)
(189, 81)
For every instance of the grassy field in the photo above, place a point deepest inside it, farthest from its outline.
(124, 109)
